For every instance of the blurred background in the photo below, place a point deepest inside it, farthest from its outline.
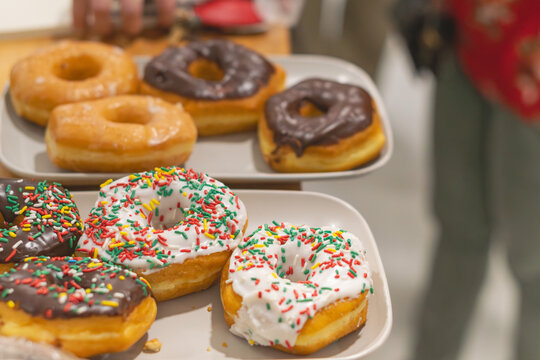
(395, 200)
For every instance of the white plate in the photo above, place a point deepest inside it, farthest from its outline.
(232, 158)
(188, 330)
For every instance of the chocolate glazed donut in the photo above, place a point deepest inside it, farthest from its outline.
(38, 284)
(340, 129)
(37, 218)
(244, 71)
(346, 110)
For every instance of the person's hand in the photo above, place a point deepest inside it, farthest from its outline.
(96, 15)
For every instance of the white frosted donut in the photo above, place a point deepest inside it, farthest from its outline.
(175, 226)
(296, 288)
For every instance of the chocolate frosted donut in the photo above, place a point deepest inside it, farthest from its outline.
(36, 218)
(82, 305)
(320, 125)
(222, 85)
(244, 71)
(56, 287)
(347, 109)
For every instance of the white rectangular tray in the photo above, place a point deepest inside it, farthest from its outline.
(188, 330)
(232, 158)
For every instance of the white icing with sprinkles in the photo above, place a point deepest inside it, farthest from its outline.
(152, 219)
(286, 273)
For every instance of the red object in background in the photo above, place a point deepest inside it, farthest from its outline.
(492, 37)
(228, 13)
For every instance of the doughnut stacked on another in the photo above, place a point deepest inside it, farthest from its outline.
(81, 305)
(320, 125)
(175, 226)
(296, 288)
(67, 72)
(36, 218)
(222, 85)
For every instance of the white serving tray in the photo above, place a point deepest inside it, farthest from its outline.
(229, 158)
(188, 330)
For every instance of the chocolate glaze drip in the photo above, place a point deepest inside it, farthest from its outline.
(42, 228)
(347, 109)
(244, 71)
(56, 288)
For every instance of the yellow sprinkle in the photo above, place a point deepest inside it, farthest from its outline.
(239, 268)
(29, 188)
(64, 294)
(142, 214)
(268, 233)
(146, 282)
(148, 182)
(121, 277)
(184, 193)
(231, 236)
(156, 201)
(152, 206)
(123, 233)
(95, 221)
(125, 226)
(131, 242)
(131, 177)
(68, 224)
(109, 303)
(26, 229)
(274, 275)
(315, 266)
(23, 209)
(88, 290)
(95, 255)
(205, 224)
(106, 183)
(112, 246)
(93, 264)
(12, 234)
(11, 304)
(46, 216)
(251, 342)
(104, 202)
(109, 286)
(331, 250)
(210, 236)
(147, 207)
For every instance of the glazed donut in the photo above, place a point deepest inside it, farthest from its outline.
(320, 125)
(81, 305)
(67, 72)
(296, 289)
(119, 134)
(36, 218)
(221, 84)
(175, 226)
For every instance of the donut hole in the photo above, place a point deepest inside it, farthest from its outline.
(128, 114)
(6, 225)
(307, 108)
(297, 273)
(205, 69)
(77, 68)
(167, 219)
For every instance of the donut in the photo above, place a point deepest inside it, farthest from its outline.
(123, 133)
(296, 288)
(221, 84)
(36, 218)
(320, 125)
(175, 226)
(81, 305)
(67, 72)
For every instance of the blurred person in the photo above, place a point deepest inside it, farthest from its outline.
(486, 55)
(242, 16)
